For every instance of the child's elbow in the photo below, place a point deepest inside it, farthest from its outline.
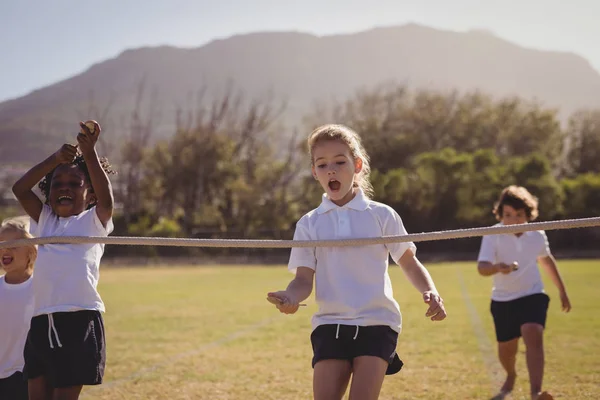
(307, 285)
(17, 190)
(484, 268)
(304, 283)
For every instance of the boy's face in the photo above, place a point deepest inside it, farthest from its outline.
(334, 168)
(510, 216)
(13, 259)
(70, 192)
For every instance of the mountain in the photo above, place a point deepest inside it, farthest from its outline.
(296, 67)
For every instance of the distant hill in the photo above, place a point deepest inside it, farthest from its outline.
(296, 67)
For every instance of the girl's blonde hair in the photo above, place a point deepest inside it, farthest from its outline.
(352, 140)
(20, 225)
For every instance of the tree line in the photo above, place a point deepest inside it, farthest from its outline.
(231, 170)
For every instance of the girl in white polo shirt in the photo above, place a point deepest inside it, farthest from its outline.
(65, 347)
(16, 307)
(355, 331)
(519, 304)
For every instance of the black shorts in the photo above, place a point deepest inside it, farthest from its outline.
(345, 342)
(14, 387)
(509, 316)
(68, 348)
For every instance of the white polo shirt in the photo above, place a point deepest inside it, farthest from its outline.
(352, 285)
(16, 311)
(525, 250)
(66, 275)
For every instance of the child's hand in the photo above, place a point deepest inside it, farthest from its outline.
(88, 140)
(66, 154)
(507, 269)
(565, 302)
(283, 301)
(436, 309)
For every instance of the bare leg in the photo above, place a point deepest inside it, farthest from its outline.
(533, 336)
(68, 393)
(507, 354)
(330, 379)
(39, 388)
(367, 378)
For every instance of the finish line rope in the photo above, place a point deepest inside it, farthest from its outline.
(257, 243)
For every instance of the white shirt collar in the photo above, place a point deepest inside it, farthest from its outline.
(359, 203)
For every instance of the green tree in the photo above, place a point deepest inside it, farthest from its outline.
(583, 138)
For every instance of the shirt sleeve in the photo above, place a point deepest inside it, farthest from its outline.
(302, 256)
(487, 252)
(545, 247)
(36, 228)
(393, 226)
(98, 228)
(33, 227)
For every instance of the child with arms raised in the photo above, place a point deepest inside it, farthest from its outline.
(356, 329)
(16, 307)
(65, 347)
(519, 304)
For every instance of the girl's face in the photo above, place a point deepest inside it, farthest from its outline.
(14, 259)
(335, 169)
(511, 216)
(70, 192)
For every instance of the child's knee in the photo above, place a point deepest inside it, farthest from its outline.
(533, 334)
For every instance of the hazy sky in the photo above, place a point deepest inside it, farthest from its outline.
(45, 41)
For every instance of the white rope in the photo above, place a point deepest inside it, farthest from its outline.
(251, 243)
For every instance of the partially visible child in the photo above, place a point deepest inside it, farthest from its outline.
(355, 331)
(16, 307)
(65, 346)
(519, 304)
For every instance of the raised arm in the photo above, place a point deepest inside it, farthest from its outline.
(22, 189)
(100, 182)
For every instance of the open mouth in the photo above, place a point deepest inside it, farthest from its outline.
(64, 199)
(334, 185)
(6, 260)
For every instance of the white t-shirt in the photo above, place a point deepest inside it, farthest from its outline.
(525, 250)
(352, 285)
(16, 311)
(66, 275)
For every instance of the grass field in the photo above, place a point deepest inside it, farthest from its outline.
(180, 332)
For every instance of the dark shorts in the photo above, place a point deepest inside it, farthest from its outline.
(345, 342)
(14, 387)
(509, 316)
(71, 354)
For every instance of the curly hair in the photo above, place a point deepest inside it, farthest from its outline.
(79, 161)
(518, 198)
